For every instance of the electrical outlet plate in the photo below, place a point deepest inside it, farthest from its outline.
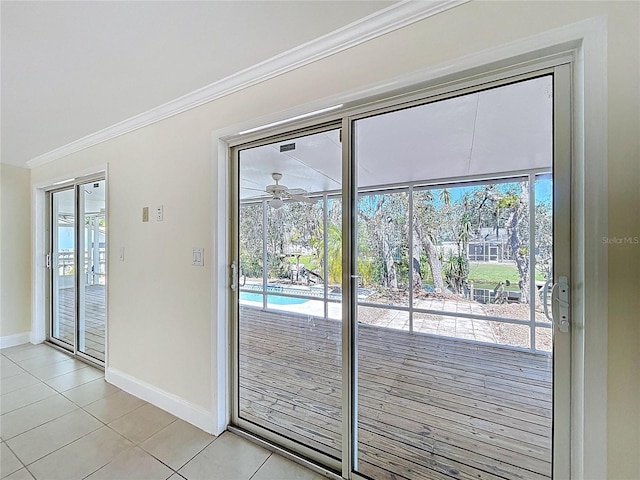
(159, 213)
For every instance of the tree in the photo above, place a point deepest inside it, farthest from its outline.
(518, 236)
(383, 233)
(334, 253)
(456, 270)
(544, 238)
(426, 223)
(250, 239)
(445, 196)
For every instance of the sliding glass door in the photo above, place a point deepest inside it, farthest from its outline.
(448, 244)
(78, 268)
(92, 281)
(288, 269)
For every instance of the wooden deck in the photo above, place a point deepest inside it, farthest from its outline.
(94, 319)
(429, 407)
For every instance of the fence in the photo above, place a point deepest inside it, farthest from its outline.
(65, 264)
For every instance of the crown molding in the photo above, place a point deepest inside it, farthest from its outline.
(375, 25)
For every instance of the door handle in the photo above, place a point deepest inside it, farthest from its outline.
(563, 303)
(234, 276)
(47, 261)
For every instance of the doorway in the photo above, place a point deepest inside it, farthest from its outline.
(448, 358)
(77, 267)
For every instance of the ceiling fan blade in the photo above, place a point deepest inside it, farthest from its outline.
(300, 198)
(254, 189)
(297, 191)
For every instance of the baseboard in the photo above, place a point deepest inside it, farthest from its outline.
(16, 339)
(169, 402)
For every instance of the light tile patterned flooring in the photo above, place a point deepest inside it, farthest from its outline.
(61, 420)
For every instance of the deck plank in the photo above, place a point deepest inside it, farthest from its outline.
(95, 320)
(429, 407)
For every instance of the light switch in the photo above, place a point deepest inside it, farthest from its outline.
(197, 258)
(159, 213)
(145, 214)
(122, 254)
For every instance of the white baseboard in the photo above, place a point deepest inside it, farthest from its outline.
(181, 408)
(13, 340)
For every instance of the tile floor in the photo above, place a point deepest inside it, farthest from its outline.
(61, 420)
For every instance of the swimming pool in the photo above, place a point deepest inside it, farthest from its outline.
(271, 299)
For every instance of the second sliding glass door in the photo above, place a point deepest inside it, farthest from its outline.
(78, 268)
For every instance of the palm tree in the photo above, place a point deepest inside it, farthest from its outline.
(334, 253)
(465, 232)
(456, 270)
(445, 196)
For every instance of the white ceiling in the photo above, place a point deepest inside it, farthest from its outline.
(70, 69)
(489, 133)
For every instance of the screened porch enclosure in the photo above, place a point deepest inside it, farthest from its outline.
(453, 243)
(493, 300)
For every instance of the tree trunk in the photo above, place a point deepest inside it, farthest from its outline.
(416, 277)
(392, 278)
(520, 256)
(434, 262)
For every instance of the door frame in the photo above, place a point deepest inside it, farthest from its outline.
(584, 45)
(561, 134)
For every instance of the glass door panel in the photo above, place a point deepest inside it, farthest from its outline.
(454, 362)
(92, 281)
(78, 268)
(543, 232)
(289, 367)
(63, 266)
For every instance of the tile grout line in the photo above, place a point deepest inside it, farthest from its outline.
(49, 421)
(55, 392)
(17, 458)
(261, 465)
(139, 444)
(43, 382)
(61, 447)
(185, 463)
(101, 423)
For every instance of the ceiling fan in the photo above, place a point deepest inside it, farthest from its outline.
(282, 192)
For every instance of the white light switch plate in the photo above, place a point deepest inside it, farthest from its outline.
(197, 258)
(159, 213)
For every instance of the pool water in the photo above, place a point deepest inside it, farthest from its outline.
(271, 299)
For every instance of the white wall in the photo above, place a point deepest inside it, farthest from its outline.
(15, 251)
(159, 306)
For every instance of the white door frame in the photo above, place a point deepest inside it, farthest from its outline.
(585, 43)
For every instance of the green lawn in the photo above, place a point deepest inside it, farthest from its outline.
(484, 275)
(487, 275)
(309, 261)
(493, 272)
